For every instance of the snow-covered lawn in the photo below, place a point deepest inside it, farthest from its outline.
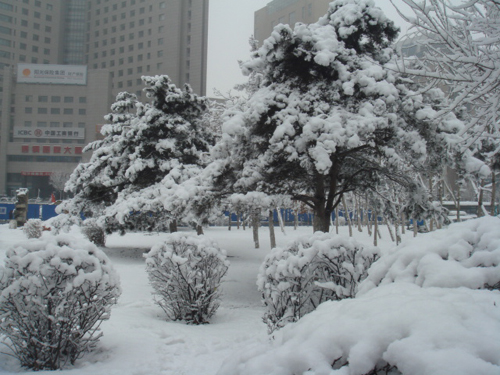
(137, 340)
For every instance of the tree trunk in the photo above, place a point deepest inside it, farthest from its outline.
(296, 220)
(347, 216)
(172, 226)
(431, 221)
(375, 230)
(238, 220)
(229, 221)
(199, 230)
(458, 202)
(389, 229)
(272, 235)
(493, 194)
(358, 213)
(337, 220)
(480, 211)
(255, 227)
(415, 227)
(321, 220)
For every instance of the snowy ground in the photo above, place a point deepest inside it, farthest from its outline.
(137, 340)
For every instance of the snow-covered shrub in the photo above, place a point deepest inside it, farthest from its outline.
(392, 329)
(294, 280)
(465, 254)
(33, 228)
(185, 272)
(94, 232)
(63, 222)
(55, 292)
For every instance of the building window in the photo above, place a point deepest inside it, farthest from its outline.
(28, 110)
(37, 14)
(68, 111)
(28, 98)
(68, 99)
(160, 53)
(160, 41)
(42, 111)
(22, 45)
(82, 111)
(67, 124)
(55, 99)
(27, 124)
(163, 5)
(139, 57)
(48, 29)
(55, 111)
(36, 37)
(24, 11)
(159, 66)
(36, 26)
(161, 17)
(82, 99)
(41, 124)
(48, 18)
(34, 49)
(130, 71)
(130, 59)
(24, 23)
(43, 99)
(46, 51)
(54, 124)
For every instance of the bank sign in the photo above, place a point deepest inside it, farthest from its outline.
(65, 133)
(52, 74)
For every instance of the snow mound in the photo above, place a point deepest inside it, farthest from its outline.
(464, 254)
(396, 328)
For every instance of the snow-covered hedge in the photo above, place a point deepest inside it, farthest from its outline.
(33, 228)
(185, 272)
(94, 232)
(294, 280)
(55, 292)
(393, 329)
(464, 254)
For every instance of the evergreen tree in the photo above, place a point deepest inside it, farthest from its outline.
(162, 140)
(330, 116)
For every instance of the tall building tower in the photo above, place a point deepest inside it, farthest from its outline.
(62, 62)
(287, 12)
(132, 38)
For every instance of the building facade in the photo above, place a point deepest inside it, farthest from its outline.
(45, 123)
(287, 12)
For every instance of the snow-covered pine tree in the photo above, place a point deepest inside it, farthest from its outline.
(95, 184)
(330, 116)
(157, 147)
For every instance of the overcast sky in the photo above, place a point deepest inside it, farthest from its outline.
(230, 26)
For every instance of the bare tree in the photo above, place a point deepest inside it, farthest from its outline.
(57, 180)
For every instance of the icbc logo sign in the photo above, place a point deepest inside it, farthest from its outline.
(38, 132)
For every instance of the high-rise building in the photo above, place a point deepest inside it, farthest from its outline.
(77, 55)
(287, 12)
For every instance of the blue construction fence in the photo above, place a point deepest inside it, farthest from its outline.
(35, 211)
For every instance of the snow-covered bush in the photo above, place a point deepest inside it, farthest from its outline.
(33, 228)
(94, 232)
(185, 272)
(393, 329)
(55, 292)
(465, 254)
(294, 280)
(63, 222)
